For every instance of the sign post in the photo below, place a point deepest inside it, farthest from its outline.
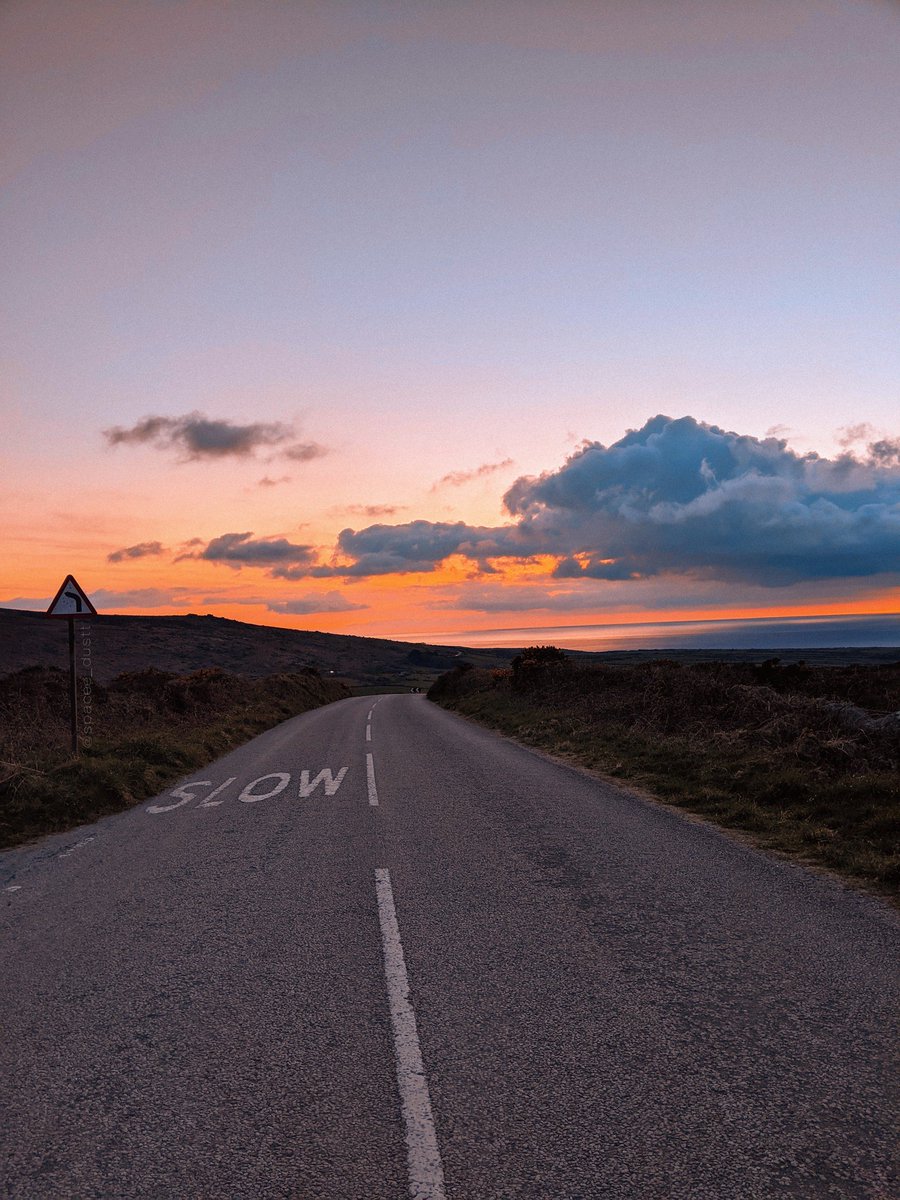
(71, 602)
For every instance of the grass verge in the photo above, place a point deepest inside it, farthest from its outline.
(805, 760)
(147, 729)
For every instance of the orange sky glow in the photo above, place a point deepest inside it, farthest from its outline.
(412, 321)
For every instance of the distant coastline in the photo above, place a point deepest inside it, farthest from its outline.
(882, 629)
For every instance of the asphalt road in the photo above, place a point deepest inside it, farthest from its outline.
(605, 999)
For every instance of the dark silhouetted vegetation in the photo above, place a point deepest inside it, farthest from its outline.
(806, 758)
(140, 732)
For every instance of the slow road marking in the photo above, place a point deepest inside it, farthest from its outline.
(426, 1172)
(258, 789)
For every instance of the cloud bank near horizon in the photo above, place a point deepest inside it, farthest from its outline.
(675, 498)
(679, 497)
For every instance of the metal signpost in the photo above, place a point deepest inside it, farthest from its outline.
(72, 602)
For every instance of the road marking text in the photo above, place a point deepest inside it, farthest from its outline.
(264, 787)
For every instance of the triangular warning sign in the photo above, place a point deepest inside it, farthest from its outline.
(71, 601)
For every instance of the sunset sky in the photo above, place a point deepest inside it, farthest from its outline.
(408, 318)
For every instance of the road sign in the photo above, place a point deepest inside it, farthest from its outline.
(71, 601)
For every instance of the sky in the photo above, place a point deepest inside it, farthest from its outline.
(405, 319)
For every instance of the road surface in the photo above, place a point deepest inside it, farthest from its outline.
(380, 952)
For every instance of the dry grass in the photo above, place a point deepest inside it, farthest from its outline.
(806, 759)
(146, 728)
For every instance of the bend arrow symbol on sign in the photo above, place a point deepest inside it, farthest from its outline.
(71, 601)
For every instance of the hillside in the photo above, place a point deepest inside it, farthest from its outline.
(190, 643)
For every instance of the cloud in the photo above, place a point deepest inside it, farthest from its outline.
(29, 603)
(683, 496)
(310, 571)
(266, 482)
(885, 452)
(285, 559)
(369, 510)
(323, 602)
(304, 451)
(420, 546)
(138, 598)
(458, 478)
(196, 436)
(141, 550)
(105, 599)
(849, 435)
(242, 549)
(521, 598)
(881, 450)
(675, 497)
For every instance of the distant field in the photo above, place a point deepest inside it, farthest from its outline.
(142, 731)
(804, 758)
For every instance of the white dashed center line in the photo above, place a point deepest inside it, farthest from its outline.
(370, 780)
(426, 1173)
(368, 733)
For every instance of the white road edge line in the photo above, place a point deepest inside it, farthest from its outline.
(370, 780)
(426, 1172)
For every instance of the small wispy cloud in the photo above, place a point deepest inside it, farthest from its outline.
(321, 602)
(304, 451)
(851, 435)
(141, 550)
(372, 511)
(458, 478)
(106, 599)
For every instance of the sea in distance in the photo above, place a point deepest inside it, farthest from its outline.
(752, 633)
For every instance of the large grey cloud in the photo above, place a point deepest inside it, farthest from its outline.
(676, 496)
(242, 549)
(422, 545)
(196, 436)
(285, 559)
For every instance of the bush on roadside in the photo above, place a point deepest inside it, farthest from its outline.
(807, 758)
(148, 728)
